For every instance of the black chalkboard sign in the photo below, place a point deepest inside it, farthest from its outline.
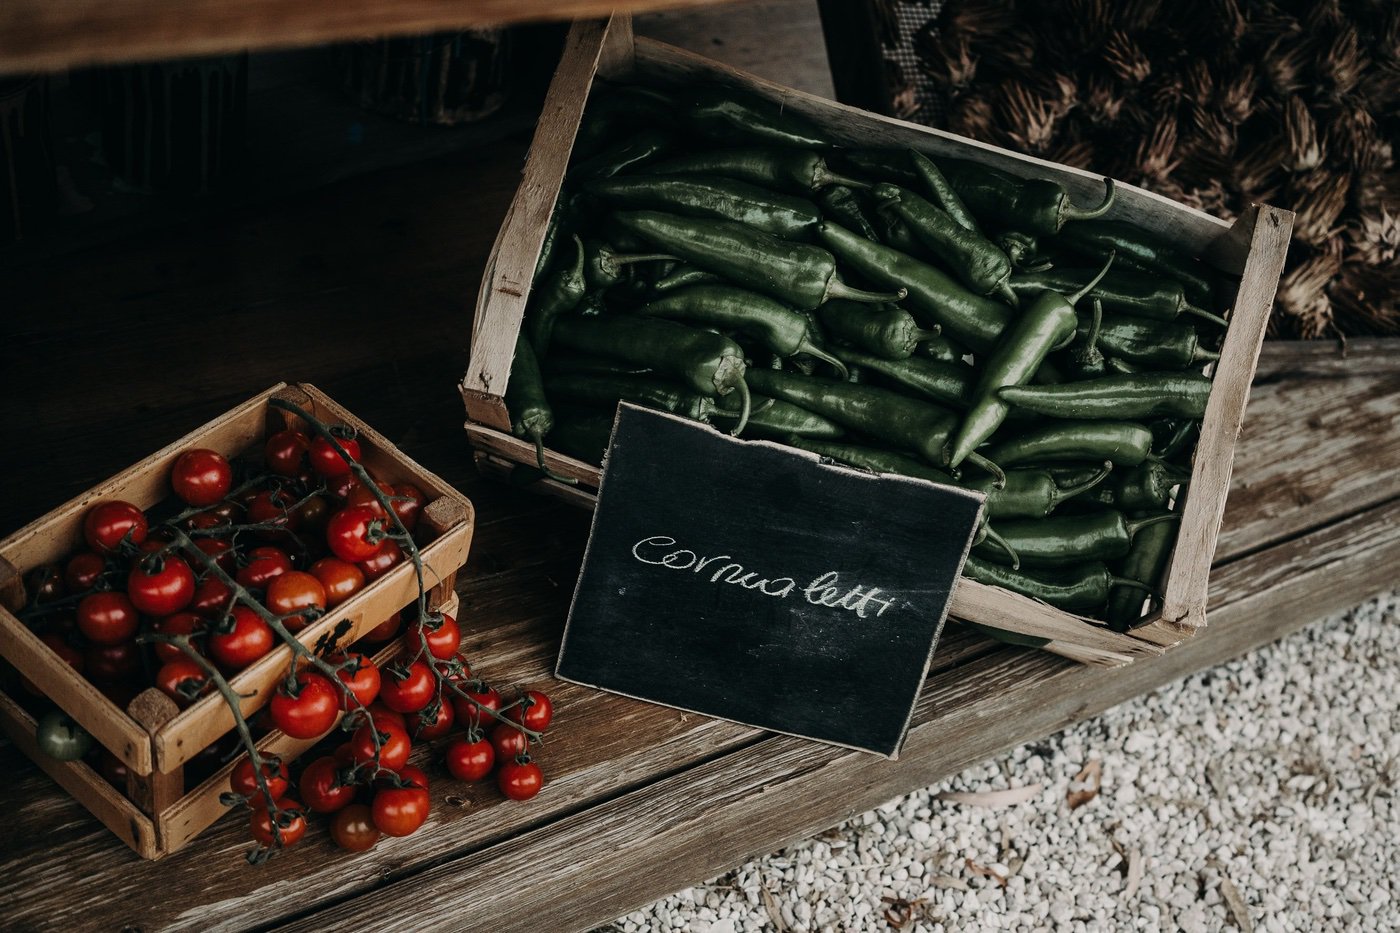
(753, 582)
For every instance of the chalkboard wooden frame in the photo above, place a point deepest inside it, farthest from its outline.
(791, 632)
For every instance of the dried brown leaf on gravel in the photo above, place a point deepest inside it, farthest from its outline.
(993, 798)
(770, 904)
(1234, 901)
(987, 872)
(1134, 874)
(1091, 779)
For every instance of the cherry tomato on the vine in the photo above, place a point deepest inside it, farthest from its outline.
(241, 780)
(275, 507)
(181, 623)
(212, 598)
(313, 513)
(470, 761)
(394, 744)
(43, 584)
(348, 534)
(284, 451)
(387, 630)
(249, 640)
(293, 592)
(221, 550)
(108, 523)
(408, 691)
(83, 570)
(311, 712)
(470, 713)
(353, 828)
(420, 726)
(107, 618)
(399, 811)
(105, 664)
(389, 556)
(363, 684)
(321, 787)
(520, 780)
(290, 828)
(360, 494)
(535, 711)
(408, 503)
(160, 585)
(341, 579)
(326, 461)
(509, 741)
(179, 673)
(443, 639)
(201, 477)
(264, 563)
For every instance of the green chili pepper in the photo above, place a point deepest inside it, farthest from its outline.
(549, 246)
(1140, 249)
(1148, 395)
(565, 361)
(604, 266)
(942, 192)
(531, 416)
(1125, 443)
(710, 364)
(884, 330)
(1176, 440)
(727, 117)
(978, 262)
(1085, 587)
(843, 204)
(882, 165)
(1160, 344)
(583, 433)
(680, 275)
(1047, 324)
(610, 110)
(1147, 558)
(1032, 493)
(797, 274)
(1084, 358)
(969, 318)
(779, 328)
(1135, 293)
(897, 234)
(779, 420)
(942, 349)
(878, 413)
(637, 149)
(1065, 540)
(712, 196)
(1118, 366)
(1022, 250)
(1147, 486)
(768, 168)
(641, 390)
(1036, 205)
(939, 381)
(561, 293)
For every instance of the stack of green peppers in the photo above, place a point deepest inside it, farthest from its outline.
(715, 256)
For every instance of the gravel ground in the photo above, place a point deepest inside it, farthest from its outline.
(1258, 795)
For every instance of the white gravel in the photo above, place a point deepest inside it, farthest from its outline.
(1270, 781)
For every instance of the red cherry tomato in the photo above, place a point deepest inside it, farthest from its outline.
(242, 782)
(291, 824)
(340, 487)
(326, 461)
(535, 711)
(313, 513)
(353, 829)
(409, 692)
(389, 556)
(65, 651)
(221, 551)
(181, 623)
(360, 494)
(108, 664)
(180, 672)
(387, 630)
(83, 571)
(107, 524)
(107, 618)
(408, 503)
(311, 712)
(380, 713)
(275, 507)
(399, 811)
(520, 780)
(264, 563)
(423, 728)
(364, 683)
(43, 584)
(443, 641)
(321, 786)
(284, 451)
(340, 579)
(160, 586)
(394, 744)
(470, 761)
(348, 531)
(250, 639)
(470, 714)
(201, 477)
(295, 591)
(508, 742)
(212, 597)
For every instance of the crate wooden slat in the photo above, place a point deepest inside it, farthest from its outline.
(1253, 248)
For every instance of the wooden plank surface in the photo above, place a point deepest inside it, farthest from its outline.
(49, 35)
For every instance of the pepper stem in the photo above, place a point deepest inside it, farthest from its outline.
(922, 335)
(1133, 585)
(1137, 524)
(1188, 308)
(1120, 366)
(1093, 283)
(1202, 355)
(835, 288)
(1002, 543)
(538, 437)
(745, 406)
(824, 176)
(623, 259)
(811, 349)
(1074, 213)
(1069, 492)
(1007, 294)
(982, 463)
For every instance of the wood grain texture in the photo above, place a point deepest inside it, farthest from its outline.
(689, 827)
(49, 36)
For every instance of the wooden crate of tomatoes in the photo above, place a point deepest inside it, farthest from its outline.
(179, 635)
(891, 297)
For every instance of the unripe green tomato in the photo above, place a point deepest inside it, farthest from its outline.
(60, 737)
